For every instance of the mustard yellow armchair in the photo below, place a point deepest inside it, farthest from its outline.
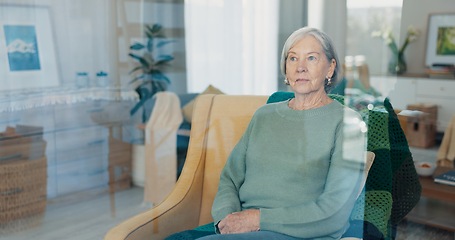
(218, 123)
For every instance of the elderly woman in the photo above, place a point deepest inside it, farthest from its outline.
(295, 173)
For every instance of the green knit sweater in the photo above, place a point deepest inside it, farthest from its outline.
(302, 169)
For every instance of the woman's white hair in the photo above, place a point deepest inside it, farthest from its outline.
(324, 40)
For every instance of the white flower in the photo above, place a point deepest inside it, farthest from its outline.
(413, 33)
(376, 34)
(387, 35)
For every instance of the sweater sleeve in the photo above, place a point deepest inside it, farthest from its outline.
(327, 215)
(232, 177)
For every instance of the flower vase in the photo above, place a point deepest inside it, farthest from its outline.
(397, 64)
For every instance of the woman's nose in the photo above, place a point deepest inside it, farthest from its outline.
(301, 67)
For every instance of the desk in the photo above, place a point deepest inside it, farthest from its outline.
(436, 207)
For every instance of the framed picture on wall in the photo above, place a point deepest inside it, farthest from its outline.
(440, 39)
(27, 48)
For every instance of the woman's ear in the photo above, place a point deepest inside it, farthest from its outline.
(332, 67)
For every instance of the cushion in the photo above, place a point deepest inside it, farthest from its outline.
(187, 110)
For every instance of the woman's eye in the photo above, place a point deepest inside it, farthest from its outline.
(292, 59)
(312, 58)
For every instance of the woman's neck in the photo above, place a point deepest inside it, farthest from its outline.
(309, 101)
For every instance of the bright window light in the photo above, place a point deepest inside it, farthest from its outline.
(373, 3)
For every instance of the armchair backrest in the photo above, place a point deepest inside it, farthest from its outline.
(218, 123)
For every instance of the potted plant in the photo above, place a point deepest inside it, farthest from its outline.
(148, 73)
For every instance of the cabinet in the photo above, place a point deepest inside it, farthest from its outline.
(78, 144)
(408, 90)
(82, 159)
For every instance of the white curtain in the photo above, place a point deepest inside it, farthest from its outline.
(232, 44)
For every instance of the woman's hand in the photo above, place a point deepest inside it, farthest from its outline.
(240, 222)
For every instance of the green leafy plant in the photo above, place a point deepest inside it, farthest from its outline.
(148, 73)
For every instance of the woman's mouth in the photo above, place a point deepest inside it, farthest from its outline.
(301, 80)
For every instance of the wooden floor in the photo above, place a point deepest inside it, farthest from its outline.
(414, 231)
(82, 217)
(89, 216)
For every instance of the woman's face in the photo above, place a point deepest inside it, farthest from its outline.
(307, 66)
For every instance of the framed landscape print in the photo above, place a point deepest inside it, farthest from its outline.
(22, 47)
(441, 39)
(27, 49)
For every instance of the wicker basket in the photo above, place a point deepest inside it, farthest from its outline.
(14, 145)
(22, 189)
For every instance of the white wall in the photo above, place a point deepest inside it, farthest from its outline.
(415, 12)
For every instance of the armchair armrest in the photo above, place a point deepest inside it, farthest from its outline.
(157, 223)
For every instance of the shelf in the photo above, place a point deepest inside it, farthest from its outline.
(434, 213)
(436, 207)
